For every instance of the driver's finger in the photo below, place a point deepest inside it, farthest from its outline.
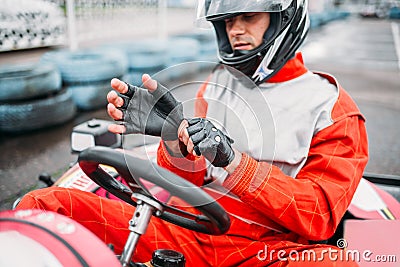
(125, 102)
(114, 112)
(196, 150)
(119, 86)
(149, 83)
(190, 148)
(198, 137)
(116, 128)
(194, 121)
(182, 132)
(193, 129)
(115, 99)
(189, 144)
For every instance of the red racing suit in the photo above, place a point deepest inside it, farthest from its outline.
(277, 206)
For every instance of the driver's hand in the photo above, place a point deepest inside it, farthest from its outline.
(152, 110)
(202, 137)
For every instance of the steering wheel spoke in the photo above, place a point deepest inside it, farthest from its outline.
(186, 214)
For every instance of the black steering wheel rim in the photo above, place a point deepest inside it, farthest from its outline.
(214, 219)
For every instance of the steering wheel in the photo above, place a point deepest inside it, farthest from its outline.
(213, 219)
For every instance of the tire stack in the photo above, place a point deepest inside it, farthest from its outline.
(143, 56)
(175, 58)
(207, 47)
(86, 74)
(183, 56)
(32, 97)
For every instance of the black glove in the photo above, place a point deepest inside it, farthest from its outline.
(210, 142)
(155, 113)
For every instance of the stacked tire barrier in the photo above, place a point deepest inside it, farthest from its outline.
(182, 52)
(207, 46)
(86, 74)
(142, 56)
(31, 98)
(63, 82)
(179, 52)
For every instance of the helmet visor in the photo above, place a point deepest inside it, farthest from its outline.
(208, 10)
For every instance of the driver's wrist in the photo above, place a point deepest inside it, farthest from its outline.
(176, 148)
(235, 162)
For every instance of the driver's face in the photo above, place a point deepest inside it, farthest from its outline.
(246, 31)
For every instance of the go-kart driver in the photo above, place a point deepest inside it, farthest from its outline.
(305, 189)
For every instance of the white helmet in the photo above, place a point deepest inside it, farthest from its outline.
(289, 24)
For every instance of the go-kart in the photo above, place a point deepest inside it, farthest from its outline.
(131, 175)
(212, 218)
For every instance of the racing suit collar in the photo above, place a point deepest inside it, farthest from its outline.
(291, 70)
